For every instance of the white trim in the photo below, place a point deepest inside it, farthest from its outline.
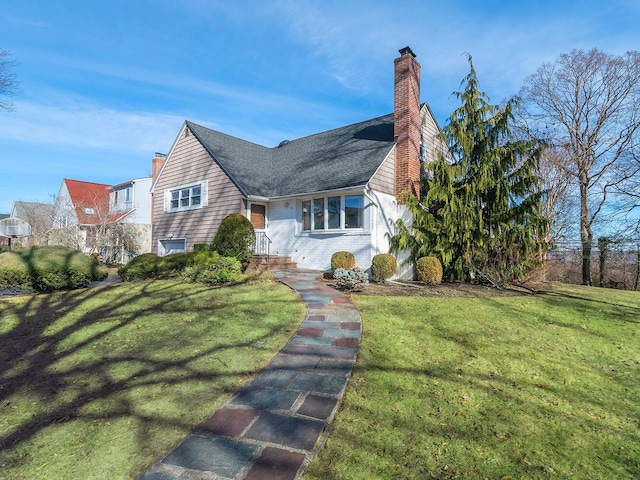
(204, 194)
(161, 250)
(166, 160)
(366, 227)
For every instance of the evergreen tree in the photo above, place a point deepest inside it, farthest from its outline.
(480, 212)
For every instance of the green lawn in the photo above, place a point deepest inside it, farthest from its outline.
(532, 386)
(100, 383)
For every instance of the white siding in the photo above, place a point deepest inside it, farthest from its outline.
(313, 250)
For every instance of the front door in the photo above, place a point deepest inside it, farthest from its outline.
(258, 220)
(258, 216)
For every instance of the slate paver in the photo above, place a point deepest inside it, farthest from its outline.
(160, 476)
(330, 384)
(266, 398)
(293, 432)
(276, 463)
(318, 407)
(220, 456)
(230, 422)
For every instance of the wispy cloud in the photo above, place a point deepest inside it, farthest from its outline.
(87, 125)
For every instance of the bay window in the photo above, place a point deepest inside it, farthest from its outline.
(338, 212)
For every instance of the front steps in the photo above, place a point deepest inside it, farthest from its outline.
(272, 262)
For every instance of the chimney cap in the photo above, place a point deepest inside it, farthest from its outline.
(405, 50)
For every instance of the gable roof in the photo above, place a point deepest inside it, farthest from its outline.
(27, 210)
(340, 158)
(91, 195)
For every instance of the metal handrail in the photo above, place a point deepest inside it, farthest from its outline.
(262, 246)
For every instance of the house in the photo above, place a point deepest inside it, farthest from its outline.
(38, 216)
(307, 198)
(133, 199)
(112, 220)
(4, 241)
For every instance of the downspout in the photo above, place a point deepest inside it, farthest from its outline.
(374, 221)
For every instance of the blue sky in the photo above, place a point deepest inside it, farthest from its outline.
(106, 84)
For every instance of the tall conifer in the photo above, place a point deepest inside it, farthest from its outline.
(480, 212)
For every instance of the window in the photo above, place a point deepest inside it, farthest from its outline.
(171, 245)
(318, 213)
(332, 213)
(353, 208)
(183, 198)
(89, 210)
(127, 194)
(306, 215)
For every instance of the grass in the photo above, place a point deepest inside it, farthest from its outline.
(531, 386)
(100, 383)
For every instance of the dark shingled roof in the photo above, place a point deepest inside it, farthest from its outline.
(339, 158)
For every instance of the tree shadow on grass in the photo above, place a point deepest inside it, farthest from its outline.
(64, 351)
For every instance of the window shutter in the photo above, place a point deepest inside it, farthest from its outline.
(167, 199)
(204, 192)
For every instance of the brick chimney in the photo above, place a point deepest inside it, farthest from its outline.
(156, 165)
(406, 123)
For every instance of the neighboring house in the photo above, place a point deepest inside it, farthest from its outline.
(4, 241)
(307, 198)
(95, 217)
(133, 198)
(39, 216)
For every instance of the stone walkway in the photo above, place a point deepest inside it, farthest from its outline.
(272, 428)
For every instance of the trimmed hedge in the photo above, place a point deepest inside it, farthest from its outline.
(383, 267)
(49, 268)
(429, 270)
(344, 260)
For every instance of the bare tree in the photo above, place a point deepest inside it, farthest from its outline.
(8, 81)
(39, 216)
(587, 104)
(559, 205)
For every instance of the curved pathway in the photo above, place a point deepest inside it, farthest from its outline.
(272, 428)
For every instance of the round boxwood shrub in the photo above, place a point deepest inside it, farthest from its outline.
(344, 260)
(49, 268)
(383, 267)
(235, 238)
(429, 270)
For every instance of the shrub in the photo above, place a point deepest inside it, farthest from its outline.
(429, 270)
(140, 267)
(235, 238)
(150, 265)
(172, 264)
(344, 260)
(351, 279)
(201, 247)
(383, 266)
(49, 268)
(213, 270)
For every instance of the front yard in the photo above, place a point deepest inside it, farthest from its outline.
(463, 383)
(515, 386)
(100, 383)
